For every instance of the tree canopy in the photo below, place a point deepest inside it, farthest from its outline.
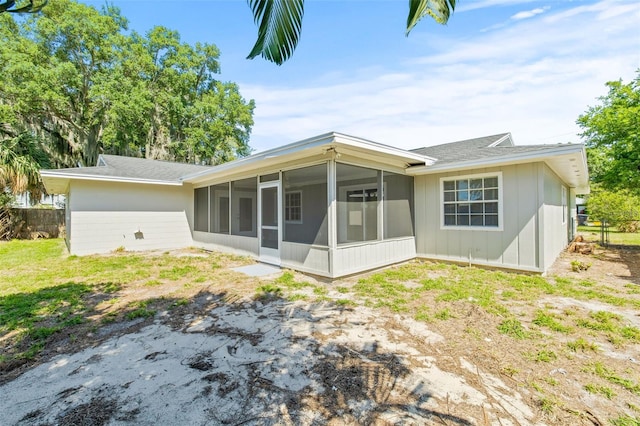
(76, 78)
(611, 131)
(619, 208)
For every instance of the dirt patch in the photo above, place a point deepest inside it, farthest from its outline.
(607, 266)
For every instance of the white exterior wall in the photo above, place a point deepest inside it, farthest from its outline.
(555, 230)
(67, 222)
(305, 257)
(105, 216)
(236, 244)
(515, 246)
(350, 259)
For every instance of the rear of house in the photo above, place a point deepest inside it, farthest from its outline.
(335, 205)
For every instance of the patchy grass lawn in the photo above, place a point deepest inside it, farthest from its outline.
(47, 296)
(570, 340)
(592, 233)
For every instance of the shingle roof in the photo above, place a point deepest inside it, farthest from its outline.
(135, 168)
(494, 146)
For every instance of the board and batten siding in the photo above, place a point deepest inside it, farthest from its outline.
(226, 243)
(306, 258)
(555, 235)
(515, 246)
(354, 258)
(105, 216)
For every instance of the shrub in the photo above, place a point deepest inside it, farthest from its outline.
(620, 209)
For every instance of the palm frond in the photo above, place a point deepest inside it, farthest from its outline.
(439, 10)
(27, 8)
(279, 26)
(20, 161)
(6, 5)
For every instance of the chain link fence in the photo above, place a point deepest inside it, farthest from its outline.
(624, 234)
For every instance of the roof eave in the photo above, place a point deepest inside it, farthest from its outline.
(321, 144)
(49, 178)
(550, 156)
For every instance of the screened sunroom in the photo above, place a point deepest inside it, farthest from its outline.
(334, 216)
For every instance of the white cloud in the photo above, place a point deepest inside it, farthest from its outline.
(529, 13)
(532, 78)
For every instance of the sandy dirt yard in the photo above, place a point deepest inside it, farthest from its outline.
(228, 359)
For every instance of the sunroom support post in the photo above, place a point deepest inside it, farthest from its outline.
(380, 206)
(332, 213)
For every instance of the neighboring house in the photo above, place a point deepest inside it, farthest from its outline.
(24, 201)
(334, 205)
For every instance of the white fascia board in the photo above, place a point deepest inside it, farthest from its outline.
(381, 149)
(327, 141)
(53, 174)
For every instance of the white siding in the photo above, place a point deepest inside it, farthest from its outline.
(236, 244)
(515, 246)
(67, 222)
(105, 216)
(305, 257)
(372, 254)
(555, 232)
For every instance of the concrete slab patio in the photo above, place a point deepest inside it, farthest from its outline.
(258, 270)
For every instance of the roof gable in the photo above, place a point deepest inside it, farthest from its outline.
(466, 149)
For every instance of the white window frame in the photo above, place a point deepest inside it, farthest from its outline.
(500, 226)
(287, 207)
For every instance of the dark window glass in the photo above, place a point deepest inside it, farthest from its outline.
(201, 209)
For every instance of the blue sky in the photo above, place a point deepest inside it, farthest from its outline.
(525, 67)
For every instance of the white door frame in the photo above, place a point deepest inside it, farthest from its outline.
(266, 254)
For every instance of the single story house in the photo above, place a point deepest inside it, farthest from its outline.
(334, 204)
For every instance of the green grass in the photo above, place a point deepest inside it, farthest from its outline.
(288, 281)
(592, 233)
(423, 313)
(605, 391)
(550, 321)
(140, 310)
(542, 356)
(625, 420)
(600, 370)
(43, 291)
(580, 344)
(547, 404)
(268, 290)
(512, 327)
(611, 324)
(444, 314)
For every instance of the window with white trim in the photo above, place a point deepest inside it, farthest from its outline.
(293, 207)
(471, 201)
